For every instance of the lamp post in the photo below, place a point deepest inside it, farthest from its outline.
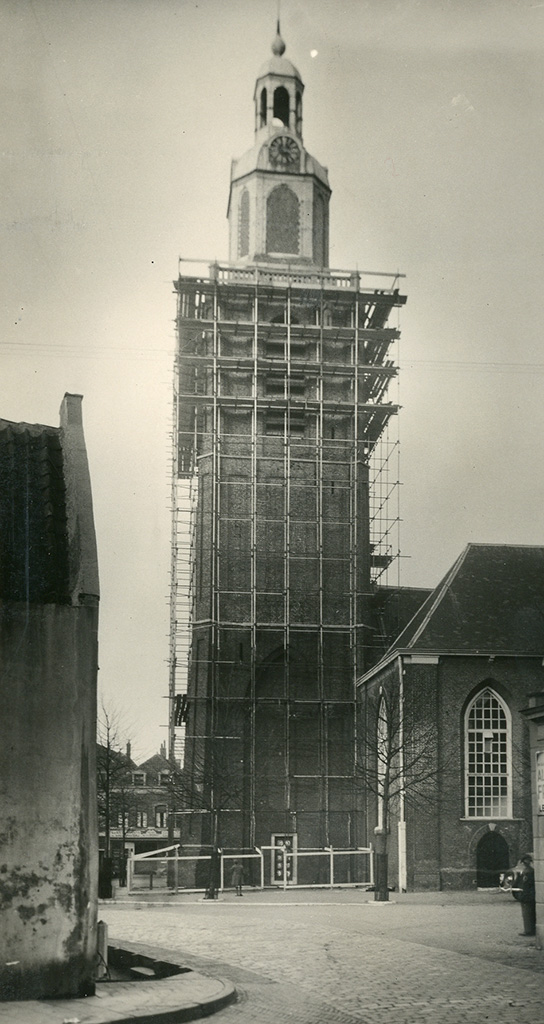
(381, 889)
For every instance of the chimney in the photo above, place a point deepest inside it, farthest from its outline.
(163, 750)
(79, 505)
(128, 750)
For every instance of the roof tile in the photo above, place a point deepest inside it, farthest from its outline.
(33, 530)
(491, 600)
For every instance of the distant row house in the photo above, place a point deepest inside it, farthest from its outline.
(138, 804)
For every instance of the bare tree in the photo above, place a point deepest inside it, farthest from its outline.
(113, 775)
(399, 762)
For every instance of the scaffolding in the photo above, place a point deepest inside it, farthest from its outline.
(285, 516)
(182, 575)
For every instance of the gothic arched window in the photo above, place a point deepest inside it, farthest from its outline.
(243, 227)
(263, 107)
(282, 221)
(281, 104)
(488, 786)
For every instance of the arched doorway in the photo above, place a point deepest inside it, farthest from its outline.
(492, 857)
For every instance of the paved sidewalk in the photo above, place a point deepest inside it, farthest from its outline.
(183, 997)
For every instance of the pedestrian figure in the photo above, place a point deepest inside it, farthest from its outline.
(215, 869)
(123, 869)
(523, 889)
(236, 877)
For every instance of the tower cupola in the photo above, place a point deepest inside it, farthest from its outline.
(279, 194)
(278, 91)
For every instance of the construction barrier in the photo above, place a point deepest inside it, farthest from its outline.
(266, 867)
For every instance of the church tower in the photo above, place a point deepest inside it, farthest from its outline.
(279, 193)
(282, 403)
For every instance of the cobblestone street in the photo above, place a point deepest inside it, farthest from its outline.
(320, 957)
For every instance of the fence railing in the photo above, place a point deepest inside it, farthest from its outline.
(265, 867)
(289, 274)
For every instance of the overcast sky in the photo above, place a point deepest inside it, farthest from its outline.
(120, 118)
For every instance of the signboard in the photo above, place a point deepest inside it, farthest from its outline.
(281, 843)
(540, 782)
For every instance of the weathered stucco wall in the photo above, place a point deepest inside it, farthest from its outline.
(48, 856)
(49, 596)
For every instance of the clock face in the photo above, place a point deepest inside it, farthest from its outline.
(284, 153)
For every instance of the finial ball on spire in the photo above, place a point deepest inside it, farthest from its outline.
(278, 46)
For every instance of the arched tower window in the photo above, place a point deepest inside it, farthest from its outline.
(488, 787)
(243, 226)
(263, 107)
(281, 104)
(282, 221)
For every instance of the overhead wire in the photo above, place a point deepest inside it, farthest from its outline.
(433, 364)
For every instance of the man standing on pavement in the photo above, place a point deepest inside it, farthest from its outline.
(525, 883)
